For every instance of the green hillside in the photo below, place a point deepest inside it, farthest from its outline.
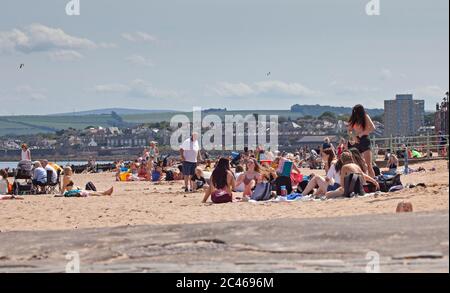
(19, 125)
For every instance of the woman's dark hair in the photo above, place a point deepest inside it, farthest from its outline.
(358, 116)
(358, 160)
(331, 156)
(219, 175)
(346, 158)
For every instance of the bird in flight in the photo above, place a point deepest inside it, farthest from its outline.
(21, 66)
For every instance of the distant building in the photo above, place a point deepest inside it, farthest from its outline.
(403, 116)
(441, 116)
(314, 141)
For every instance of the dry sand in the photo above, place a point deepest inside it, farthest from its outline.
(142, 203)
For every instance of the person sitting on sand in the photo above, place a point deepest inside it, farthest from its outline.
(67, 178)
(143, 172)
(250, 177)
(222, 183)
(328, 183)
(75, 192)
(198, 179)
(358, 160)
(349, 167)
(238, 172)
(392, 165)
(4, 183)
(39, 176)
(157, 174)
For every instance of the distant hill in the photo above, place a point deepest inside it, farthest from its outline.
(317, 110)
(119, 111)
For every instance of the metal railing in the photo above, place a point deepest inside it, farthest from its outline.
(428, 146)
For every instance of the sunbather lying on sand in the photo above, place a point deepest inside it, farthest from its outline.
(75, 192)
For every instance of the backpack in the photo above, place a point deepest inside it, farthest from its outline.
(353, 185)
(377, 170)
(283, 181)
(261, 192)
(387, 182)
(90, 186)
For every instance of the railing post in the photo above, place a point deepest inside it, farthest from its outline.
(391, 149)
(428, 144)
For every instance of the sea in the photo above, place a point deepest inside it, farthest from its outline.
(13, 165)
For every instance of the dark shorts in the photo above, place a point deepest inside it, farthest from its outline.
(333, 187)
(363, 145)
(189, 168)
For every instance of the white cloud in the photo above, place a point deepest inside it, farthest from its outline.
(113, 88)
(352, 90)
(139, 61)
(27, 92)
(139, 37)
(65, 55)
(226, 89)
(138, 89)
(431, 91)
(37, 37)
(386, 74)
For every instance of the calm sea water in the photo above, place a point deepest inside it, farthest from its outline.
(12, 165)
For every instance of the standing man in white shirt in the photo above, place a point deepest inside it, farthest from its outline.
(190, 154)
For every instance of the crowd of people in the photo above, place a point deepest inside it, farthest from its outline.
(249, 173)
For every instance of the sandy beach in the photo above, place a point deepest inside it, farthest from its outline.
(145, 203)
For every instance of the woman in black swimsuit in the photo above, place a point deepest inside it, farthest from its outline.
(363, 126)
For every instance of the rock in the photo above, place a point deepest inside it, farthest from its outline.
(404, 207)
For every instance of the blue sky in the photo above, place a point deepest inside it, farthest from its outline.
(176, 54)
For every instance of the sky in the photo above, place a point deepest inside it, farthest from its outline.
(238, 54)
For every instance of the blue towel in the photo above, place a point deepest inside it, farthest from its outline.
(294, 196)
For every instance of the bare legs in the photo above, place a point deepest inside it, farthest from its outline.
(316, 181)
(367, 155)
(104, 193)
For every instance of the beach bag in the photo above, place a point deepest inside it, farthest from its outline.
(353, 185)
(221, 196)
(370, 188)
(262, 192)
(386, 183)
(90, 186)
(283, 181)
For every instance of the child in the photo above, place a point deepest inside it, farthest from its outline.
(198, 179)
